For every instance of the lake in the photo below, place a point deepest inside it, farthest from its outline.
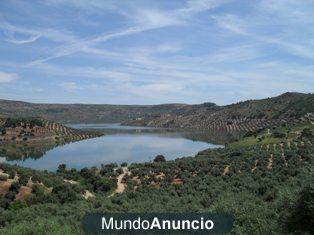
(119, 144)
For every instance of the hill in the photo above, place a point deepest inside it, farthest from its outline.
(265, 184)
(86, 113)
(29, 130)
(247, 116)
(244, 116)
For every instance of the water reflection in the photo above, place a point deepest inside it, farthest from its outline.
(119, 144)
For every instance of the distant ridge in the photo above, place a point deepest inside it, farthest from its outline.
(242, 116)
(86, 113)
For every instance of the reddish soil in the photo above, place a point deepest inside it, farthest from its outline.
(23, 193)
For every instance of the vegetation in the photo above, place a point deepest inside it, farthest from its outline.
(283, 133)
(15, 122)
(32, 137)
(287, 106)
(264, 177)
(159, 158)
(266, 184)
(247, 116)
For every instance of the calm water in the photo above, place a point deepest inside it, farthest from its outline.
(119, 144)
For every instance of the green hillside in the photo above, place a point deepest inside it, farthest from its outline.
(267, 186)
(245, 116)
(241, 116)
(38, 129)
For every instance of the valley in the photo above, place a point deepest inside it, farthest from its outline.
(243, 116)
(156, 117)
(262, 174)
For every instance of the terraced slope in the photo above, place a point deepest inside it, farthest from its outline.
(268, 154)
(245, 116)
(264, 181)
(34, 129)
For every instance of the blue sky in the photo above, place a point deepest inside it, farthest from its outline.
(151, 52)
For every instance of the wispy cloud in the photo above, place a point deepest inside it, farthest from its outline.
(34, 33)
(8, 77)
(158, 51)
(232, 23)
(143, 20)
(274, 13)
(10, 37)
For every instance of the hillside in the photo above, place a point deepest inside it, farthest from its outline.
(265, 184)
(29, 130)
(87, 113)
(240, 117)
(248, 116)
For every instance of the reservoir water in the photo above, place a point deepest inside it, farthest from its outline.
(119, 144)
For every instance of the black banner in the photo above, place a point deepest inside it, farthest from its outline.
(157, 223)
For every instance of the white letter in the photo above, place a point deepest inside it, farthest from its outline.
(104, 223)
(127, 224)
(186, 224)
(147, 223)
(202, 223)
(211, 224)
(155, 223)
(193, 226)
(174, 226)
(166, 222)
(138, 221)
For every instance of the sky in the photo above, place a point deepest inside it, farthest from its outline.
(155, 51)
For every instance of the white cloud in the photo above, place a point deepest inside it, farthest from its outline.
(252, 30)
(8, 77)
(231, 22)
(152, 19)
(142, 19)
(11, 37)
(34, 33)
(250, 49)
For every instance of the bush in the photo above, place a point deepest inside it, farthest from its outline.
(124, 164)
(159, 158)
(3, 177)
(250, 133)
(15, 186)
(65, 193)
(10, 195)
(40, 226)
(306, 132)
(38, 190)
(62, 168)
(278, 134)
(235, 154)
(105, 185)
(4, 202)
(119, 171)
(17, 205)
(302, 216)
